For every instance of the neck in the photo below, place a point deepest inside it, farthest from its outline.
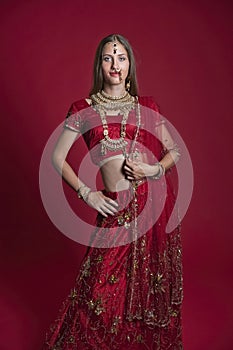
(114, 90)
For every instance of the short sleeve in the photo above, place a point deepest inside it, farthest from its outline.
(163, 133)
(73, 120)
(159, 120)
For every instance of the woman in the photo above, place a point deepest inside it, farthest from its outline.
(128, 293)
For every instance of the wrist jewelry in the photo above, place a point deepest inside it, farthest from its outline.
(83, 192)
(160, 172)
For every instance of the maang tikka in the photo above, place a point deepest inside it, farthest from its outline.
(114, 48)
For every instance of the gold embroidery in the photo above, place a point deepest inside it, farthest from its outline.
(113, 279)
(99, 307)
(115, 324)
(158, 283)
(86, 268)
(124, 220)
(100, 259)
(71, 339)
(96, 306)
(140, 338)
(73, 296)
(91, 304)
(173, 313)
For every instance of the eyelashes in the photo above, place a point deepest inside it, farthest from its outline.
(109, 59)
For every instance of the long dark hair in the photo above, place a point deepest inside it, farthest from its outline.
(98, 80)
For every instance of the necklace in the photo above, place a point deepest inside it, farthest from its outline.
(102, 97)
(104, 103)
(113, 98)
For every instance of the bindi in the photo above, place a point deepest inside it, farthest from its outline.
(114, 48)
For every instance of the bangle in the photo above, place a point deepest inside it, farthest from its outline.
(160, 172)
(83, 192)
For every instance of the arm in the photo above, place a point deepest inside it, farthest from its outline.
(172, 153)
(96, 200)
(136, 170)
(61, 150)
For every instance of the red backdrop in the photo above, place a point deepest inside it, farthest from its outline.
(184, 60)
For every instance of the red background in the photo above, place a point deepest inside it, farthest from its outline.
(184, 60)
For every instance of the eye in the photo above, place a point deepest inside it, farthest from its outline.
(107, 59)
(122, 58)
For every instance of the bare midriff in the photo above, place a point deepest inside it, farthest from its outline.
(113, 177)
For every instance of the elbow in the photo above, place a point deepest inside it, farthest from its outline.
(57, 161)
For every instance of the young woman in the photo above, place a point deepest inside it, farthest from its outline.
(128, 292)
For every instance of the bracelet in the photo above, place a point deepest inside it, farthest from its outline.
(83, 192)
(160, 172)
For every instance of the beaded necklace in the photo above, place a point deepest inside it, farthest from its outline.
(122, 105)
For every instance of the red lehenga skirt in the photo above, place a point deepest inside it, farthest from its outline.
(127, 296)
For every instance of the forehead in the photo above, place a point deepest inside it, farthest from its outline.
(108, 48)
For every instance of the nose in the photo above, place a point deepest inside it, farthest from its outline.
(115, 64)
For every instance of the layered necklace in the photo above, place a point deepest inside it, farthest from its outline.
(122, 105)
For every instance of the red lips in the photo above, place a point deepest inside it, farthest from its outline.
(114, 74)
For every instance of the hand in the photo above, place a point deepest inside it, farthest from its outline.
(137, 170)
(102, 204)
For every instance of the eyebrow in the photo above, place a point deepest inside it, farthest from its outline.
(119, 54)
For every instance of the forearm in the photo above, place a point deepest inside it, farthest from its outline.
(170, 159)
(67, 173)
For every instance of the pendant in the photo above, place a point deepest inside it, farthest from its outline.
(113, 145)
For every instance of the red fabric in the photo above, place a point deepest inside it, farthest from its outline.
(81, 118)
(127, 296)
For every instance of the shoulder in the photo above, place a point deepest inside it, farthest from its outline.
(148, 101)
(79, 105)
(74, 118)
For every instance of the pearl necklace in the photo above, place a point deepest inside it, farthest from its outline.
(103, 98)
(102, 103)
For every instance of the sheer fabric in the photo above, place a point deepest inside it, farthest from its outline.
(126, 296)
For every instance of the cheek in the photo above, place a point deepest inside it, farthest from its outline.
(126, 70)
(104, 70)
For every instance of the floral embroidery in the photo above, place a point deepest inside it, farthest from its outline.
(115, 323)
(99, 259)
(86, 268)
(124, 219)
(140, 338)
(96, 306)
(73, 296)
(158, 283)
(113, 279)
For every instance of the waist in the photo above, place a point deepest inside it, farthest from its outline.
(139, 186)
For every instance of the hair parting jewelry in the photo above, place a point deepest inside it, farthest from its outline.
(114, 48)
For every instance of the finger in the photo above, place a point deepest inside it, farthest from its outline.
(128, 174)
(110, 211)
(129, 171)
(102, 213)
(128, 166)
(132, 163)
(130, 177)
(110, 207)
(112, 202)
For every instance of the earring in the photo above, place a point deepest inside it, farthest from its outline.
(128, 85)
